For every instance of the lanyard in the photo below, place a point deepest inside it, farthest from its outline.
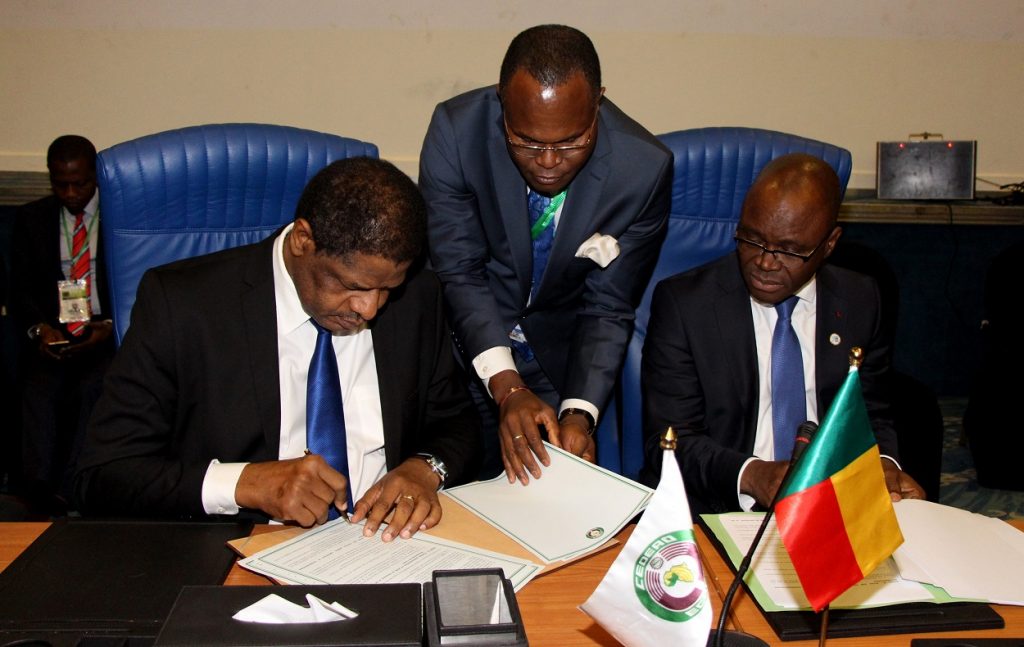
(548, 216)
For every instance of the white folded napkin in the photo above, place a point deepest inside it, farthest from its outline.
(273, 609)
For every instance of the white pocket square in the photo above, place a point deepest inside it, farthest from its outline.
(601, 249)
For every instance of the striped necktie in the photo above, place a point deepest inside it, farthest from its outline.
(80, 260)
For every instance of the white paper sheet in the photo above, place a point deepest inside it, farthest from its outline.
(337, 553)
(573, 508)
(778, 580)
(967, 554)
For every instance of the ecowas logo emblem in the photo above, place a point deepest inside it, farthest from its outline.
(667, 577)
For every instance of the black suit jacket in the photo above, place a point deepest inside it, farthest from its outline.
(36, 266)
(581, 316)
(699, 370)
(197, 378)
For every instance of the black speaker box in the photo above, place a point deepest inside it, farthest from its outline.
(926, 170)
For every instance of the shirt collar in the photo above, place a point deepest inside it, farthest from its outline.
(91, 209)
(290, 314)
(807, 294)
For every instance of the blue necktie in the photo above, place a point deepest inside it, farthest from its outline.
(543, 242)
(325, 414)
(789, 403)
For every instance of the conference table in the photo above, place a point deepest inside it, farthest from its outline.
(549, 603)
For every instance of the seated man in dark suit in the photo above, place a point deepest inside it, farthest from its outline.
(547, 208)
(742, 350)
(208, 409)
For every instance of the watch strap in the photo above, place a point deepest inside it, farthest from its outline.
(437, 466)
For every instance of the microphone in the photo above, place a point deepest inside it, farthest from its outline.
(804, 434)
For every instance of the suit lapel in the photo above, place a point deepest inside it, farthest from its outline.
(510, 203)
(736, 337)
(831, 325)
(51, 232)
(389, 376)
(259, 325)
(578, 220)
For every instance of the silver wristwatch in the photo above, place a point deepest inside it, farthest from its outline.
(437, 466)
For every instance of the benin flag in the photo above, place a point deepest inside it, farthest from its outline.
(834, 513)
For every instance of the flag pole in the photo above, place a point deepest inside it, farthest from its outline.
(856, 356)
(668, 439)
(856, 359)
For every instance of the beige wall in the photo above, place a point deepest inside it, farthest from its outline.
(113, 70)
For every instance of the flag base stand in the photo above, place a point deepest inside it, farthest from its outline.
(735, 639)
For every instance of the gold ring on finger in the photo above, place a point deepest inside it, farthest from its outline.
(515, 438)
(408, 496)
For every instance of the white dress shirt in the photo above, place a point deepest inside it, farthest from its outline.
(804, 320)
(91, 221)
(296, 339)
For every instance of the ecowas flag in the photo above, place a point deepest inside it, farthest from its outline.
(655, 593)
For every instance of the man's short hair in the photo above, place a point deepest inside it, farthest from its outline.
(365, 205)
(70, 148)
(552, 54)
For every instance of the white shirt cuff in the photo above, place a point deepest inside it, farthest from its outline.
(219, 487)
(576, 403)
(491, 362)
(746, 501)
(894, 462)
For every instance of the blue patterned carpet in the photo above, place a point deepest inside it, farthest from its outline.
(959, 486)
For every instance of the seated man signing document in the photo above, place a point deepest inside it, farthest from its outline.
(292, 377)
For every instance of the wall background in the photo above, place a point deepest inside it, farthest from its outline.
(848, 73)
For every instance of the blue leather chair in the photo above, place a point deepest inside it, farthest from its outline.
(713, 169)
(200, 189)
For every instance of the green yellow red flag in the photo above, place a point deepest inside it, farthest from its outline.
(834, 513)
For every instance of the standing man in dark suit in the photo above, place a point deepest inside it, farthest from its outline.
(547, 209)
(718, 362)
(57, 239)
(209, 407)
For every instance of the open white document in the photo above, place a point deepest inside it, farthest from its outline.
(337, 553)
(967, 554)
(774, 582)
(574, 507)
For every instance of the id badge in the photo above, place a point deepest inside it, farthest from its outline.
(74, 301)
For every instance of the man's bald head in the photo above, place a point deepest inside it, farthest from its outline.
(800, 173)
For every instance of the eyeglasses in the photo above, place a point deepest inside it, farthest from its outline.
(532, 151)
(777, 253)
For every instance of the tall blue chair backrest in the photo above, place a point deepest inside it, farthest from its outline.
(713, 169)
(201, 189)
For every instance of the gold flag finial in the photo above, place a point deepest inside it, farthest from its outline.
(856, 356)
(668, 439)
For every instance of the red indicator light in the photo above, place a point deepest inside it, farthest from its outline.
(949, 144)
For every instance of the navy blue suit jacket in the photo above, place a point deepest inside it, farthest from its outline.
(581, 316)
